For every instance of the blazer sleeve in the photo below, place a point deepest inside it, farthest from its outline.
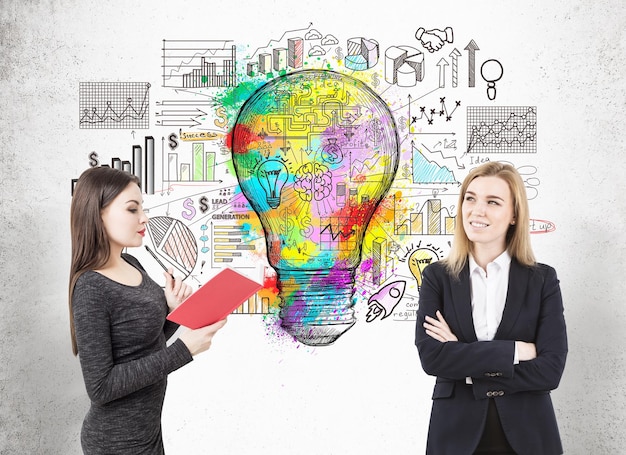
(543, 373)
(455, 359)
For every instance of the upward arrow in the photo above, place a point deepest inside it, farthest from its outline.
(442, 72)
(410, 119)
(455, 54)
(471, 48)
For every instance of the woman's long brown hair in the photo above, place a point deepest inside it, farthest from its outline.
(95, 189)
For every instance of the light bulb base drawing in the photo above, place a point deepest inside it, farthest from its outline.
(273, 202)
(316, 305)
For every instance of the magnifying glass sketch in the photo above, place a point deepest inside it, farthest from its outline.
(491, 71)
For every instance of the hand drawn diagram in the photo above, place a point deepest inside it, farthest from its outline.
(327, 164)
(294, 144)
(106, 105)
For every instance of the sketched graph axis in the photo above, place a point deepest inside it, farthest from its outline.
(502, 129)
(114, 105)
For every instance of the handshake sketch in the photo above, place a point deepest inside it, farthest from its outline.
(434, 39)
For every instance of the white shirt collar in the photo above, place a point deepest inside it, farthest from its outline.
(503, 261)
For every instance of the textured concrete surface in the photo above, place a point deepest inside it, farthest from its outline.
(367, 395)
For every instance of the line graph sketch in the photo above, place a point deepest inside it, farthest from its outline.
(111, 105)
(427, 171)
(337, 234)
(430, 114)
(502, 129)
(199, 63)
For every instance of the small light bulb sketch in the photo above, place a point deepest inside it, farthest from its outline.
(491, 71)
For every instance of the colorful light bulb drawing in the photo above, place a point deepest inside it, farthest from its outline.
(331, 143)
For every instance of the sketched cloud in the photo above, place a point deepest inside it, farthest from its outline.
(313, 34)
(316, 50)
(329, 40)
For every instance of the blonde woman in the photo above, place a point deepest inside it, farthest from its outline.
(490, 327)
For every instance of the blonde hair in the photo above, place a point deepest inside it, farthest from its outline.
(95, 190)
(518, 236)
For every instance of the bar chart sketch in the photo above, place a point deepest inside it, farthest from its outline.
(280, 59)
(195, 165)
(199, 63)
(114, 105)
(229, 243)
(502, 129)
(259, 303)
(141, 164)
(431, 219)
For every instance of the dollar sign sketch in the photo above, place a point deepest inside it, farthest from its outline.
(402, 123)
(93, 159)
(173, 141)
(286, 223)
(223, 119)
(204, 204)
(375, 131)
(375, 80)
(307, 229)
(338, 53)
(188, 204)
(406, 171)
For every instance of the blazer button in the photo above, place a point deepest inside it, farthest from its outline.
(490, 394)
(500, 393)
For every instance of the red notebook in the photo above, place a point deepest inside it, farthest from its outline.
(215, 299)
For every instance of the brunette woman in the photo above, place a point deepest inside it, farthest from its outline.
(118, 318)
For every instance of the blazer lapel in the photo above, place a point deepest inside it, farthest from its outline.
(462, 304)
(515, 296)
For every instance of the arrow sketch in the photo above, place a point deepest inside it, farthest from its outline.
(471, 48)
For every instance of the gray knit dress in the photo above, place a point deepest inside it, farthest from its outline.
(121, 333)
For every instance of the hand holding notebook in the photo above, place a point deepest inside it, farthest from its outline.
(215, 299)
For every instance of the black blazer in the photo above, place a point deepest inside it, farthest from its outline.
(533, 313)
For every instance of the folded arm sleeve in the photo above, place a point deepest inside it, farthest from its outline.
(545, 371)
(455, 359)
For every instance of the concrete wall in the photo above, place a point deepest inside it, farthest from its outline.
(252, 393)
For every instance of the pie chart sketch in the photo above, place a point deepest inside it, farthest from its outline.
(174, 242)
